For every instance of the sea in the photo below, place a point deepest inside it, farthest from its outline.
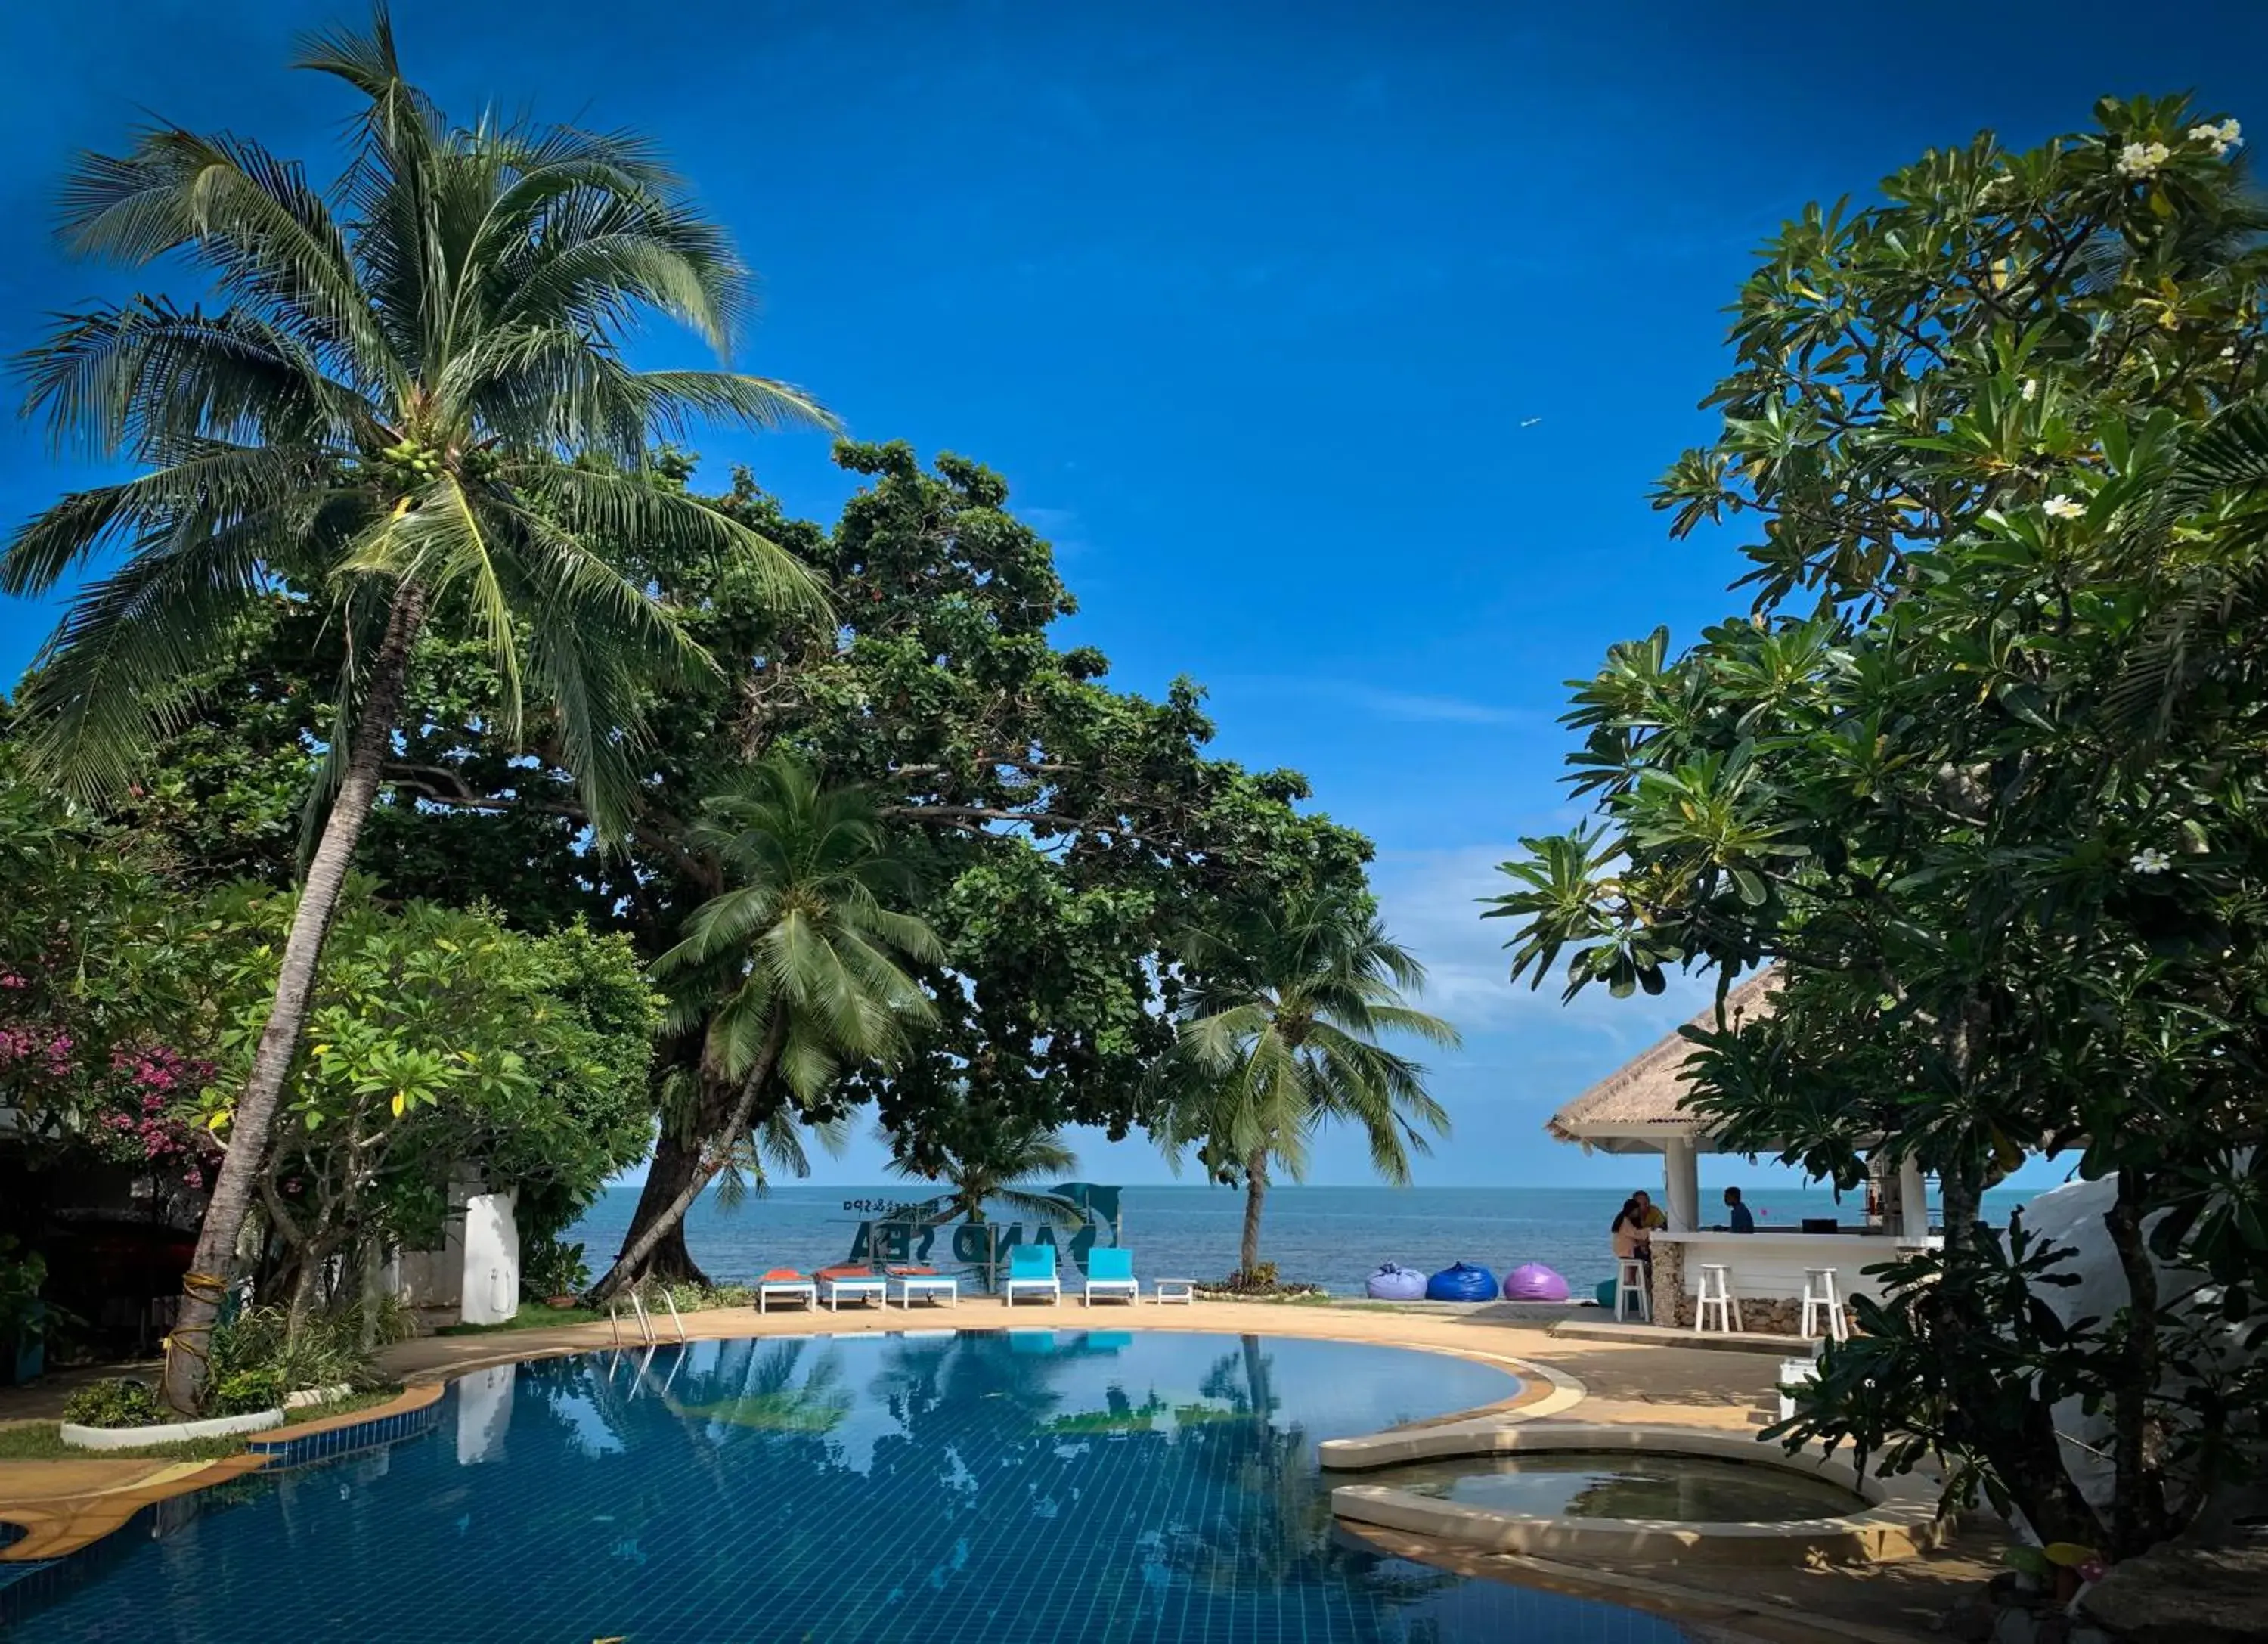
(1332, 1236)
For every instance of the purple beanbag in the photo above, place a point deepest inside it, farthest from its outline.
(1390, 1283)
(1533, 1281)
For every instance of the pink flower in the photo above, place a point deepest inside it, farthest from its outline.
(8, 978)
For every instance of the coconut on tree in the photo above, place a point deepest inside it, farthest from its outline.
(406, 404)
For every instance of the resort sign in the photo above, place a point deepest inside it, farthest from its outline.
(915, 1233)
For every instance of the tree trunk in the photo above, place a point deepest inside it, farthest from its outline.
(206, 1284)
(1962, 1205)
(2138, 1509)
(672, 1216)
(373, 1270)
(1255, 1190)
(675, 1163)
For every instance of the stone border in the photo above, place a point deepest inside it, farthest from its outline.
(1899, 1521)
(96, 1440)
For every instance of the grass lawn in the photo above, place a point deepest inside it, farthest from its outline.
(42, 1440)
(532, 1316)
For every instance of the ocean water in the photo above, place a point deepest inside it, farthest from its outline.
(1334, 1236)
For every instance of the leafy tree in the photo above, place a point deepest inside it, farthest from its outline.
(1280, 1037)
(440, 1038)
(410, 409)
(797, 968)
(1066, 834)
(1983, 771)
(988, 1163)
(103, 993)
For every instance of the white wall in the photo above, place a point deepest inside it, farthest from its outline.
(491, 1269)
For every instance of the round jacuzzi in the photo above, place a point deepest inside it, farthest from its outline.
(1627, 1492)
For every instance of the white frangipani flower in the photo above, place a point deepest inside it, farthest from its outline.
(2062, 507)
(2230, 352)
(2030, 390)
(2143, 160)
(2150, 861)
(2226, 136)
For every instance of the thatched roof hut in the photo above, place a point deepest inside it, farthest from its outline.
(1639, 1108)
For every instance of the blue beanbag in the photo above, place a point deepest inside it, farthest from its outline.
(1462, 1283)
(1390, 1283)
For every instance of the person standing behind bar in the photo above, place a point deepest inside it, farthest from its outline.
(1743, 1219)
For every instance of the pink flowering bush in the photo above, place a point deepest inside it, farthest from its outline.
(154, 1120)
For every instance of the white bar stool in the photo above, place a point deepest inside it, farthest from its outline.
(1630, 1286)
(1821, 1297)
(1719, 1296)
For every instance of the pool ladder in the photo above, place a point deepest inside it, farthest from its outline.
(644, 1319)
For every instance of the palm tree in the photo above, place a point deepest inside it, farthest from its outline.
(410, 408)
(990, 1165)
(1280, 1037)
(796, 967)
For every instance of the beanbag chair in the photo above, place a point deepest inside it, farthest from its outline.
(1533, 1282)
(1606, 1292)
(1464, 1282)
(1390, 1283)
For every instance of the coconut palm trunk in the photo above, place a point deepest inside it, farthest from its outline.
(1255, 1194)
(672, 1216)
(675, 1164)
(205, 1285)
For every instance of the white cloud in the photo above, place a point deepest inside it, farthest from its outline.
(1405, 707)
(1062, 526)
(1432, 904)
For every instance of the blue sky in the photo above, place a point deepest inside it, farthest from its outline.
(1254, 305)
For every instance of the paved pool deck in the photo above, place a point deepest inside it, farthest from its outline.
(1645, 1380)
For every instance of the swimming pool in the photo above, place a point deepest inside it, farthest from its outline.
(978, 1486)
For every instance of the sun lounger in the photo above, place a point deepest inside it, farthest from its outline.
(854, 1283)
(924, 1281)
(785, 1284)
(1032, 1267)
(1109, 1273)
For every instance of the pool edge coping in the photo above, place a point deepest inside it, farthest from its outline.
(1901, 1519)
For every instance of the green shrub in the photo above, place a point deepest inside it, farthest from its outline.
(327, 1351)
(114, 1404)
(242, 1392)
(553, 1269)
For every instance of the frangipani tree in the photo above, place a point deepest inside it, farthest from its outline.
(411, 407)
(1984, 770)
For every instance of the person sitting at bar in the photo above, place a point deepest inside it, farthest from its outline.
(1743, 1219)
(1650, 1214)
(1632, 1241)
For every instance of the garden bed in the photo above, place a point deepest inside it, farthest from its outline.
(84, 1438)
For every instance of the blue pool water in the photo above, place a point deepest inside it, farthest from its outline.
(982, 1487)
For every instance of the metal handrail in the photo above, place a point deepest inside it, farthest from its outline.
(645, 1325)
(676, 1317)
